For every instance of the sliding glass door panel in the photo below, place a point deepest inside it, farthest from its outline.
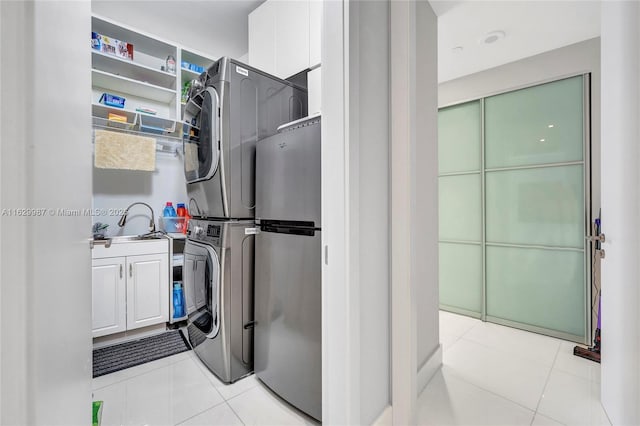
(542, 206)
(459, 133)
(537, 125)
(460, 208)
(543, 288)
(460, 267)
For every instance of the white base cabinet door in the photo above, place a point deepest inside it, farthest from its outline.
(109, 306)
(147, 290)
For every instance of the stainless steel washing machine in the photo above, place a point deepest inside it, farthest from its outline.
(218, 284)
(230, 107)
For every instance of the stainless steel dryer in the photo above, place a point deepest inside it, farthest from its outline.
(232, 106)
(218, 285)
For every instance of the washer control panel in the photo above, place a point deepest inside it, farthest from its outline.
(205, 231)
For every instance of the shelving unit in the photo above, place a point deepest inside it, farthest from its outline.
(142, 81)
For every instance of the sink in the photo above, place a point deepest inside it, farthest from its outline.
(127, 238)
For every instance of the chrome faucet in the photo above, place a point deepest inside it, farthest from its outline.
(152, 224)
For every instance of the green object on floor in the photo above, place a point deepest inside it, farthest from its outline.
(97, 412)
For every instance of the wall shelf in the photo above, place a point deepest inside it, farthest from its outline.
(130, 69)
(145, 43)
(189, 74)
(141, 89)
(136, 121)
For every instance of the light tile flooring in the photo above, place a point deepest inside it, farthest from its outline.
(495, 375)
(180, 390)
(491, 375)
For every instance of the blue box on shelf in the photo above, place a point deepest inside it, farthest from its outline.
(112, 100)
(196, 68)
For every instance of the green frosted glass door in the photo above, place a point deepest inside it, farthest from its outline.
(513, 208)
(460, 208)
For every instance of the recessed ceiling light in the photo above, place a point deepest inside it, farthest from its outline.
(457, 49)
(541, 140)
(550, 126)
(492, 37)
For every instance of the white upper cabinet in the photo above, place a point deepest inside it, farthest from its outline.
(262, 37)
(315, 33)
(284, 36)
(314, 89)
(292, 37)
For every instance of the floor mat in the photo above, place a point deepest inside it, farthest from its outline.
(125, 355)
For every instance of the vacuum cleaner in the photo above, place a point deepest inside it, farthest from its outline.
(592, 353)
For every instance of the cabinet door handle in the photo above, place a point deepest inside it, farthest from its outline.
(120, 271)
(130, 270)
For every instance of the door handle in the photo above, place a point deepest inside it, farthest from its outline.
(250, 324)
(120, 271)
(594, 238)
(131, 270)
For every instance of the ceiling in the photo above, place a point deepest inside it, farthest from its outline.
(530, 27)
(215, 27)
(219, 27)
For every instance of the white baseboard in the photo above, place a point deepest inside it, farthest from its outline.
(385, 418)
(429, 368)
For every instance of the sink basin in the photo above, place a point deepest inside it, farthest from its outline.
(127, 238)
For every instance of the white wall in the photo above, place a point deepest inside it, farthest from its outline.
(621, 211)
(356, 211)
(369, 184)
(45, 163)
(424, 241)
(340, 297)
(414, 204)
(117, 189)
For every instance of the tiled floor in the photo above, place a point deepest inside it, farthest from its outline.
(180, 390)
(492, 375)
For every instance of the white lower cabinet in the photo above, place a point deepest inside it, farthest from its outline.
(129, 292)
(109, 288)
(147, 290)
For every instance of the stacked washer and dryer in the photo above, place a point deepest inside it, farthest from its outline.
(230, 107)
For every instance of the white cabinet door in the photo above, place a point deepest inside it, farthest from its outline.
(315, 32)
(292, 37)
(262, 37)
(108, 299)
(147, 290)
(314, 88)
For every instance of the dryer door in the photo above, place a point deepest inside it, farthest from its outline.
(201, 276)
(202, 139)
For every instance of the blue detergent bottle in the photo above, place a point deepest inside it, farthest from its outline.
(178, 300)
(169, 211)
